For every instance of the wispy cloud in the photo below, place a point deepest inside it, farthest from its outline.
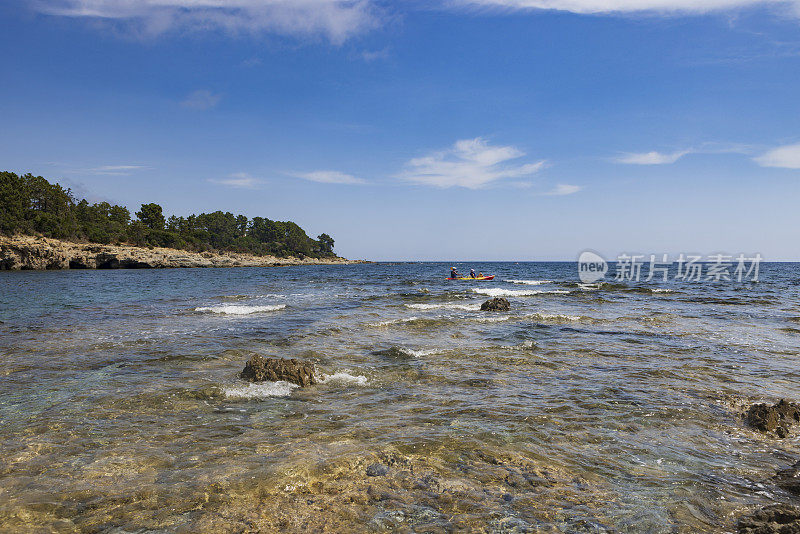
(329, 177)
(561, 190)
(115, 170)
(785, 157)
(651, 158)
(470, 163)
(240, 180)
(201, 100)
(627, 6)
(336, 20)
(374, 55)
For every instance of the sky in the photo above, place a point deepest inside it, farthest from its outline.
(438, 130)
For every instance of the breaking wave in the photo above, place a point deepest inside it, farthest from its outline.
(498, 292)
(394, 321)
(239, 310)
(465, 307)
(529, 282)
(343, 377)
(261, 390)
(558, 318)
(419, 353)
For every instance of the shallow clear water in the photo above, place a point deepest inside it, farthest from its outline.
(584, 409)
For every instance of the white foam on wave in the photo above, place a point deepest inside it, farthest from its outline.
(419, 353)
(394, 321)
(555, 317)
(529, 282)
(343, 377)
(498, 292)
(465, 307)
(261, 390)
(662, 290)
(239, 310)
(589, 287)
(495, 319)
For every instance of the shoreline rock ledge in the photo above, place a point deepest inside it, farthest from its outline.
(261, 369)
(24, 252)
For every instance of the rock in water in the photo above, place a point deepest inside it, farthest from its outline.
(496, 304)
(776, 518)
(260, 369)
(776, 418)
(377, 470)
(789, 479)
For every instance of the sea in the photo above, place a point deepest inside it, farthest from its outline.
(614, 406)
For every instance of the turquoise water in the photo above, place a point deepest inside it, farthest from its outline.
(611, 407)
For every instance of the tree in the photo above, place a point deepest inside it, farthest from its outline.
(30, 204)
(151, 216)
(325, 244)
(13, 204)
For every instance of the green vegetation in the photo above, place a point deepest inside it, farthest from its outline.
(32, 205)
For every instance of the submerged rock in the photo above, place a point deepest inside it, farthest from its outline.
(377, 470)
(777, 418)
(773, 519)
(789, 479)
(260, 369)
(496, 304)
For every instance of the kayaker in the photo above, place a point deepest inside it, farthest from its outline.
(453, 272)
(472, 273)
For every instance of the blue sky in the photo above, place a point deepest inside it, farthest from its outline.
(453, 129)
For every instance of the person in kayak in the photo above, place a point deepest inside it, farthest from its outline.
(472, 273)
(453, 272)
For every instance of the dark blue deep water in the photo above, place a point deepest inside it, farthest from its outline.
(586, 408)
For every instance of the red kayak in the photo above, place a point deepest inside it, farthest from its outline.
(470, 278)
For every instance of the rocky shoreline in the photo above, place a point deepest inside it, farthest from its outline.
(41, 253)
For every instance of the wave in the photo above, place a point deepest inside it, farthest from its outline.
(403, 352)
(558, 317)
(529, 282)
(239, 310)
(498, 292)
(465, 307)
(343, 377)
(495, 319)
(261, 390)
(249, 297)
(394, 321)
(525, 345)
(415, 321)
(420, 353)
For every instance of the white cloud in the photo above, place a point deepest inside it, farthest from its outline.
(470, 163)
(328, 177)
(115, 170)
(786, 157)
(335, 19)
(563, 189)
(240, 180)
(651, 158)
(201, 100)
(627, 6)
